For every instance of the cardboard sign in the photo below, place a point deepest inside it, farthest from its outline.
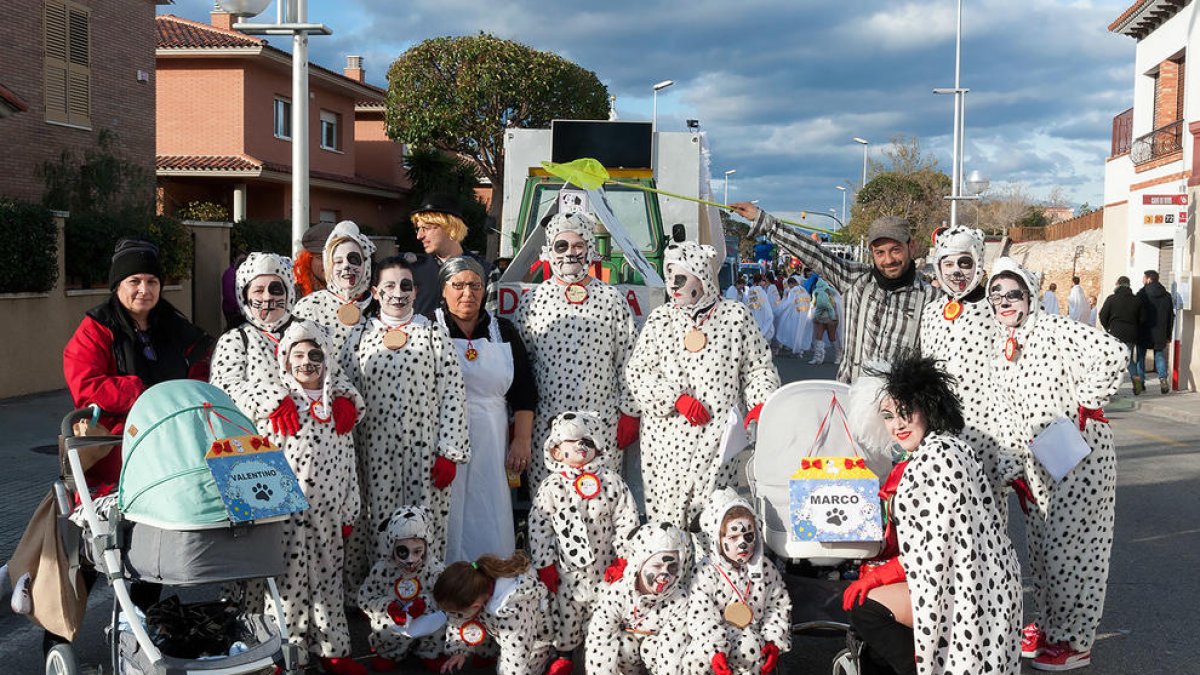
(835, 499)
(254, 478)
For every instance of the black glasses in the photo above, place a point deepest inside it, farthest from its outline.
(461, 285)
(1015, 295)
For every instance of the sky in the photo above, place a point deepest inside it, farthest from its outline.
(782, 86)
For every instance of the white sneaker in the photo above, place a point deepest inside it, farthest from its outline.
(21, 602)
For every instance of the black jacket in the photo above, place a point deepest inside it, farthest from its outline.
(1121, 315)
(1158, 314)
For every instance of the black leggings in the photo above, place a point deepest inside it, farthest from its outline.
(143, 593)
(887, 645)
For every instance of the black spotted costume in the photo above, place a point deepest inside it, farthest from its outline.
(718, 583)
(1063, 368)
(514, 619)
(322, 306)
(633, 632)
(681, 465)
(579, 520)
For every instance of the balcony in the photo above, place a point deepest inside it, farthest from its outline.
(1122, 133)
(1157, 144)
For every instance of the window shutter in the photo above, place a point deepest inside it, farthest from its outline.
(56, 41)
(1179, 89)
(79, 72)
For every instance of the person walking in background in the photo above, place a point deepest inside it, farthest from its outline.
(231, 304)
(1093, 311)
(1050, 300)
(1158, 316)
(1121, 317)
(308, 269)
(1077, 304)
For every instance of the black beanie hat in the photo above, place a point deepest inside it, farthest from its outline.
(133, 256)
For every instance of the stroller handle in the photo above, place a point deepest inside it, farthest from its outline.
(91, 412)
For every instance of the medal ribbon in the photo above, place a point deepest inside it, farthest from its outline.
(741, 596)
(273, 339)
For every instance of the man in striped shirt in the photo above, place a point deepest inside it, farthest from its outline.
(882, 301)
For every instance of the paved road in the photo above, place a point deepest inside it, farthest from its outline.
(1150, 617)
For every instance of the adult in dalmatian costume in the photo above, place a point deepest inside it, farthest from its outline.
(246, 361)
(698, 358)
(582, 512)
(322, 457)
(413, 435)
(344, 301)
(639, 622)
(579, 333)
(739, 611)
(1045, 367)
(398, 594)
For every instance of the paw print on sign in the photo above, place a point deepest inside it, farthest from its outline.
(836, 517)
(262, 493)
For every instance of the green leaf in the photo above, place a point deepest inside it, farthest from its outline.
(584, 172)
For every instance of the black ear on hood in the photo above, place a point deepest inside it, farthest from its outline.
(384, 524)
(678, 232)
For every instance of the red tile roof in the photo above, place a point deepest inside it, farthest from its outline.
(222, 163)
(178, 33)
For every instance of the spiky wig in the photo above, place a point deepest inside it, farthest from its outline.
(916, 382)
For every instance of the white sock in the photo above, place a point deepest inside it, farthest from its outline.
(21, 602)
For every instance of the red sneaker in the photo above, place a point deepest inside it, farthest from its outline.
(560, 666)
(343, 665)
(382, 664)
(1060, 656)
(1033, 641)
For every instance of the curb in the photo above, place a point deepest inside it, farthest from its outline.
(1184, 412)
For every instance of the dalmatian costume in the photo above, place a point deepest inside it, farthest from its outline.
(579, 332)
(633, 628)
(399, 589)
(413, 433)
(579, 517)
(698, 357)
(959, 333)
(514, 618)
(735, 573)
(1045, 367)
(343, 304)
(310, 588)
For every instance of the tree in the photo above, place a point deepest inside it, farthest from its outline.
(918, 196)
(459, 94)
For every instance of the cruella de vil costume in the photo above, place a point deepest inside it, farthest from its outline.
(579, 332)
(697, 358)
(344, 301)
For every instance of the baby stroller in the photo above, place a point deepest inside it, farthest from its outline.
(169, 525)
(800, 420)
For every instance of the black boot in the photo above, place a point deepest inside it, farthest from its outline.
(888, 645)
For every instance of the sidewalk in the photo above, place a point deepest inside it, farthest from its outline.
(1178, 406)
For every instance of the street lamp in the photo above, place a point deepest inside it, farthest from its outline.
(865, 143)
(727, 175)
(291, 18)
(956, 163)
(842, 189)
(658, 87)
(977, 183)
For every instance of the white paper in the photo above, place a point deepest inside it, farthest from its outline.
(734, 438)
(426, 624)
(1060, 447)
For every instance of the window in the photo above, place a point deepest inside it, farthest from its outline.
(330, 217)
(330, 128)
(67, 63)
(283, 118)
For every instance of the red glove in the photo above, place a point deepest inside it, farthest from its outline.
(871, 576)
(347, 530)
(397, 613)
(344, 415)
(285, 421)
(443, 472)
(549, 577)
(615, 571)
(720, 666)
(771, 652)
(628, 430)
(416, 607)
(1086, 414)
(692, 410)
(1024, 494)
(752, 416)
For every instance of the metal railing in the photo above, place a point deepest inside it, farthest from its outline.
(1158, 143)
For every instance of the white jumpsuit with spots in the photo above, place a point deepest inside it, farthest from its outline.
(322, 306)
(515, 619)
(415, 412)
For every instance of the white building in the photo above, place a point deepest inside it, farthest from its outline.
(1150, 180)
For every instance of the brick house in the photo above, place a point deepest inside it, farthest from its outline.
(1151, 177)
(224, 130)
(70, 69)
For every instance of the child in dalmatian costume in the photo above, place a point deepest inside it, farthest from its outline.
(581, 512)
(639, 622)
(322, 458)
(246, 361)
(495, 601)
(959, 333)
(579, 332)
(413, 434)
(343, 303)
(1046, 367)
(698, 357)
(398, 593)
(739, 611)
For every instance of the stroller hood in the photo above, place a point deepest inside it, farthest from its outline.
(165, 481)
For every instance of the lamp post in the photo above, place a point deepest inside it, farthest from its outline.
(291, 18)
(865, 143)
(842, 189)
(658, 87)
(956, 163)
(727, 175)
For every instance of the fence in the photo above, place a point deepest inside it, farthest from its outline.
(1062, 230)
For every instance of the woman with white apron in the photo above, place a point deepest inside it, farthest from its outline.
(496, 370)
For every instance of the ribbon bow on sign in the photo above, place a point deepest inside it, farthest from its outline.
(852, 463)
(812, 464)
(218, 447)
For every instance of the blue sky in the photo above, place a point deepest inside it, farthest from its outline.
(781, 86)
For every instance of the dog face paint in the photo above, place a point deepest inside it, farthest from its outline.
(267, 296)
(659, 573)
(347, 266)
(1010, 302)
(738, 535)
(685, 288)
(306, 362)
(956, 272)
(569, 257)
(575, 453)
(396, 292)
(409, 555)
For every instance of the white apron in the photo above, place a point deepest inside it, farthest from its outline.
(481, 518)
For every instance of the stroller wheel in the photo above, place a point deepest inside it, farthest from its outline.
(60, 660)
(845, 663)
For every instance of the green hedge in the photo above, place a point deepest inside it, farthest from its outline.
(29, 256)
(268, 236)
(91, 237)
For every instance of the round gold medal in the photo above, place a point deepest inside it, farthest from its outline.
(576, 294)
(471, 353)
(395, 339)
(952, 310)
(695, 341)
(738, 614)
(349, 314)
(407, 589)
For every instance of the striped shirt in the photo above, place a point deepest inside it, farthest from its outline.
(880, 324)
